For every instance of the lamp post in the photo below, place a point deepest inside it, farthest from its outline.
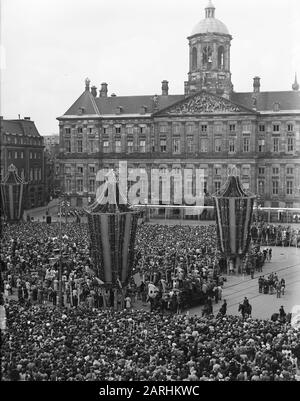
(65, 204)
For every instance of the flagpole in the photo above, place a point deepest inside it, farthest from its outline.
(60, 263)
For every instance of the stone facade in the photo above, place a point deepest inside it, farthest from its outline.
(22, 146)
(209, 127)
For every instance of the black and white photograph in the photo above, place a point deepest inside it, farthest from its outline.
(150, 193)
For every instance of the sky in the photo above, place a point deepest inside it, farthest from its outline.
(49, 47)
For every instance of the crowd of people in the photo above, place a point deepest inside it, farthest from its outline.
(46, 344)
(271, 284)
(267, 234)
(87, 339)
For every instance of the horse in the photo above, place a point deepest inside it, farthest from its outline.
(286, 319)
(245, 310)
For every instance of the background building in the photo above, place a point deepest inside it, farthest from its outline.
(22, 145)
(209, 126)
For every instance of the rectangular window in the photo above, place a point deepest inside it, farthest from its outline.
(190, 144)
(261, 128)
(290, 127)
(289, 187)
(68, 146)
(91, 145)
(105, 146)
(276, 127)
(261, 170)
(275, 170)
(79, 146)
(189, 129)
(129, 130)
(118, 146)
(90, 130)
(163, 128)
(246, 128)
(218, 145)
(217, 185)
(218, 129)
(142, 146)
(261, 144)
(203, 145)
(68, 185)
(290, 145)
(31, 174)
(231, 145)
(92, 169)
(16, 155)
(91, 185)
(153, 145)
(118, 130)
(177, 129)
(290, 170)
(217, 170)
(246, 171)
(163, 145)
(68, 169)
(176, 145)
(130, 146)
(261, 187)
(275, 144)
(104, 130)
(30, 155)
(275, 186)
(142, 130)
(246, 145)
(79, 169)
(79, 185)
(232, 127)
(79, 130)
(204, 128)
(68, 131)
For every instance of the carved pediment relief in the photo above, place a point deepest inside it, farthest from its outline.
(204, 103)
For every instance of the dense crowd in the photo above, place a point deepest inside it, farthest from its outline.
(275, 235)
(90, 344)
(84, 341)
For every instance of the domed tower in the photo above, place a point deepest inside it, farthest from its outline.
(209, 46)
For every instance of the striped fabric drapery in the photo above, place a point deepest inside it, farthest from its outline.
(112, 227)
(234, 208)
(12, 195)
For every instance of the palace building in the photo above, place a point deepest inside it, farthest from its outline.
(209, 126)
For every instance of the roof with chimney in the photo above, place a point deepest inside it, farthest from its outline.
(90, 105)
(265, 101)
(19, 127)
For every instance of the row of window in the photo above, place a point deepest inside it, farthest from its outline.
(204, 143)
(217, 185)
(20, 155)
(21, 140)
(275, 187)
(189, 129)
(275, 170)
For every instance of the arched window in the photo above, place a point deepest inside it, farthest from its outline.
(194, 58)
(221, 57)
(207, 55)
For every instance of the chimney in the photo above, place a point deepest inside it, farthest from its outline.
(27, 118)
(256, 84)
(165, 88)
(94, 91)
(103, 90)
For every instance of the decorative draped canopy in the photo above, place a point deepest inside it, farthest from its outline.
(234, 208)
